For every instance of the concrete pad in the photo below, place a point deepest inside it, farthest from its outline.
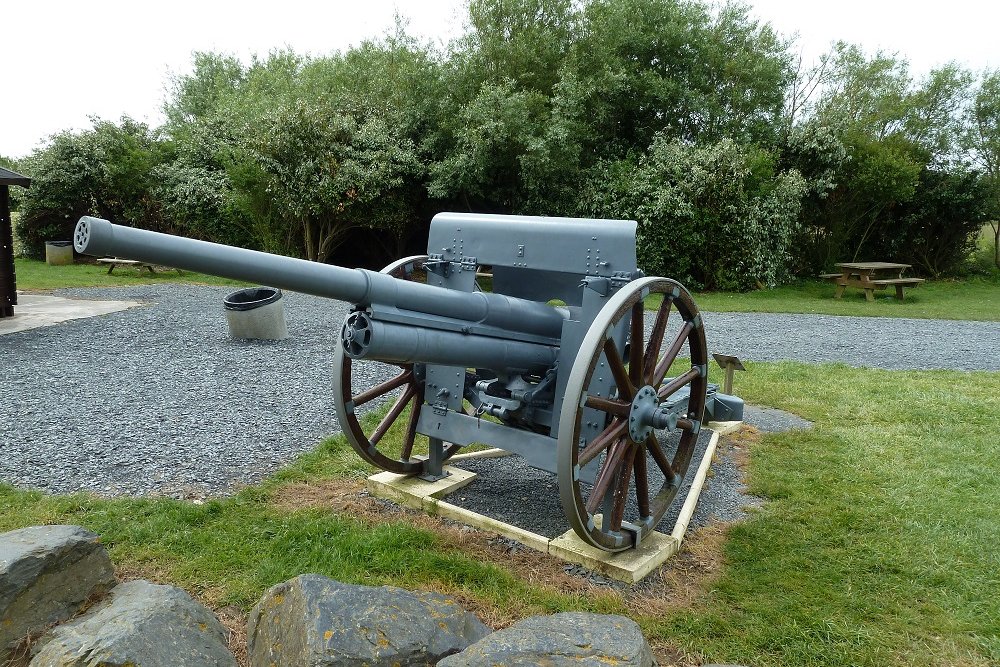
(691, 501)
(724, 428)
(411, 491)
(629, 566)
(42, 310)
(493, 453)
(483, 522)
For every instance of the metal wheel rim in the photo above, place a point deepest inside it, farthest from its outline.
(345, 402)
(574, 500)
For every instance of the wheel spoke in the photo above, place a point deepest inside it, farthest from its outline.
(611, 406)
(656, 338)
(411, 427)
(625, 389)
(606, 476)
(671, 355)
(635, 355)
(621, 490)
(384, 388)
(641, 482)
(653, 446)
(678, 382)
(602, 469)
(392, 415)
(600, 443)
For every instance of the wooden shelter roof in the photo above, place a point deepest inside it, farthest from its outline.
(8, 177)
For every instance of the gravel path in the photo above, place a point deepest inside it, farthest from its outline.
(158, 400)
(876, 342)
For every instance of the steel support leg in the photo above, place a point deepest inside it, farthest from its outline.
(435, 461)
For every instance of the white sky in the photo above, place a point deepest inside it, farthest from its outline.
(65, 60)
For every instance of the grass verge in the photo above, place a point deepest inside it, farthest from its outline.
(877, 545)
(33, 274)
(975, 298)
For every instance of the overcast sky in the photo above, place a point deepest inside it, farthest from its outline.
(66, 60)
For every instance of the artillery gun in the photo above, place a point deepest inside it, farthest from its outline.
(557, 362)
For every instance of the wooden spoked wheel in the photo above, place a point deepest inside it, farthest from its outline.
(642, 450)
(367, 384)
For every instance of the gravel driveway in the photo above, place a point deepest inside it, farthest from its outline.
(158, 400)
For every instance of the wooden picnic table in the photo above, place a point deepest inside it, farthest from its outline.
(112, 262)
(871, 276)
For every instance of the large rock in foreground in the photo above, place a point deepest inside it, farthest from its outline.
(47, 574)
(139, 624)
(574, 639)
(313, 620)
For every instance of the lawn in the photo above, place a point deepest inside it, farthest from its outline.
(877, 543)
(971, 299)
(37, 275)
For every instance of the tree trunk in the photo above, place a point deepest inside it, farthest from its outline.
(307, 232)
(996, 242)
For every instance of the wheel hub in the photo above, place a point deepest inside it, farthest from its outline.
(640, 416)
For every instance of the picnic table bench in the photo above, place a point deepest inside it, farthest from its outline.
(112, 262)
(865, 275)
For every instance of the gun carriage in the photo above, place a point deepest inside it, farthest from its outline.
(558, 362)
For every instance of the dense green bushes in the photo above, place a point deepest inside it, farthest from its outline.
(741, 170)
(716, 215)
(106, 171)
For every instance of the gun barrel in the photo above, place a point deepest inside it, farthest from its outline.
(94, 236)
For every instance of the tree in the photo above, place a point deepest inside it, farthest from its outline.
(545, 92)
(672, 66)
(937, 229)
(490, 135)
(900, 137)
(329, 172)
(105, 171)
(198, 95)
(519, 41)
(983, 140)
(718, 216)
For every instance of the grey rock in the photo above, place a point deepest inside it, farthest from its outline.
(316, 621)
(140, 623)
(47, 574)
(571, 638)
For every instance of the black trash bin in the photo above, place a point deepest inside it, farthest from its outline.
(256, 312)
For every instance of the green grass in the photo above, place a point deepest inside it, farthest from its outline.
(37, 275)
(877, 544)
(975, 298)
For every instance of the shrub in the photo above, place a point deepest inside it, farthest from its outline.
(105, 171)
(938, 229)
(718, 217)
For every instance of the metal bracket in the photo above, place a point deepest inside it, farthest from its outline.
(600, 285)
(436, 262)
